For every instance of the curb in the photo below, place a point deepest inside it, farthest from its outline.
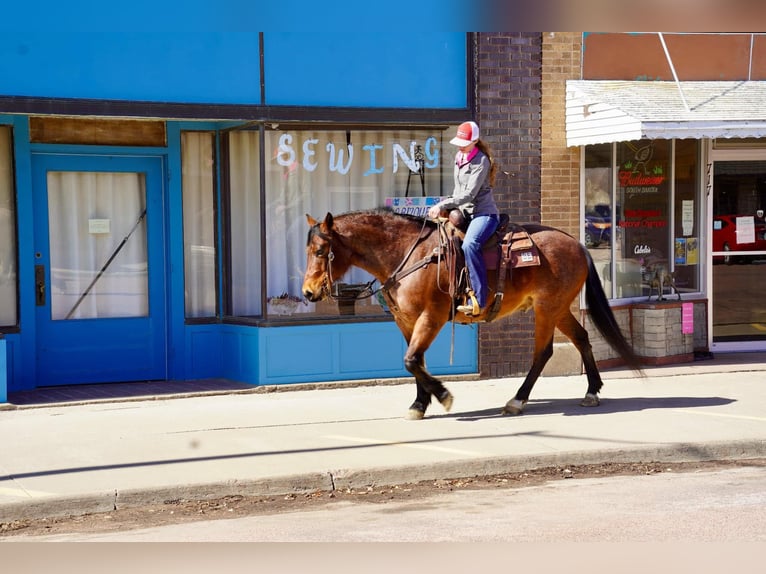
(383, 476)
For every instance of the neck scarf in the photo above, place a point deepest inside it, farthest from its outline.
(461, 159)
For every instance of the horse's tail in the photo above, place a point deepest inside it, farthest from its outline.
(602, 316)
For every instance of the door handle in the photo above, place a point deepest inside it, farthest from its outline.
(39, 285)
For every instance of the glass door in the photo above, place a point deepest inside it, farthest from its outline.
(739, 255)
(99, 269)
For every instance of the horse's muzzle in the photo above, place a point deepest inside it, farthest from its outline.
(312, 296)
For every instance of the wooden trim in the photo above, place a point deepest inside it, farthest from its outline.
(59, 130)
(228, 112)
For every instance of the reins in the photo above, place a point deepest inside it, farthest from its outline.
(397, 275)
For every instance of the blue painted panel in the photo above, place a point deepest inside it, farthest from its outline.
(246, 15)
(298, 354)
(3, 372)
(392, 69)
(315, 353)
(464, 351)
(185, 67)
(397, 69)
(374, 351)
(240, 353)
(203, 351)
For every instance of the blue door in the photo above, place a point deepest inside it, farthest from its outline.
(99, 269)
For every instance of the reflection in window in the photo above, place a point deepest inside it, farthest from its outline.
(7, 232)
(653, 221)
(319, 171)
(643, 180)
(598, 229)
(686, 209)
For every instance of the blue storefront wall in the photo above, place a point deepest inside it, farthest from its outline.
(351, 70)
(316, 353)
(367, 69)
(3, 371)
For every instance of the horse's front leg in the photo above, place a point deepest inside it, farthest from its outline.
(427, 386)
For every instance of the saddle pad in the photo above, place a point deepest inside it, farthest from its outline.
(525, 257)
(519, 248)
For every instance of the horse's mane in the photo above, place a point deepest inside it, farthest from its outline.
(388, 213)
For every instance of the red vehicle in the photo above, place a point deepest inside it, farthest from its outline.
(725, 239)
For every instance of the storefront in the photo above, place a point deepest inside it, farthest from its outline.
(673, 185)
(153, 194)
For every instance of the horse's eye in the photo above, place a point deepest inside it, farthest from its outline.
(319, 253)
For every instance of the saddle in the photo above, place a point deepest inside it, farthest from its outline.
(509, 247)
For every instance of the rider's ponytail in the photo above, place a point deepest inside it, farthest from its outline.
(484, 148)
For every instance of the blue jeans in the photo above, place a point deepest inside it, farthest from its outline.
(480, 229)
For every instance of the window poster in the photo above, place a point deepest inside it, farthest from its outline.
(412, 205)
(692, 250)
(687, 216)
(680, 251)
(745, 229)
(686, 251)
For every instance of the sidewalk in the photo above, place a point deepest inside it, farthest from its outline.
(95, 455)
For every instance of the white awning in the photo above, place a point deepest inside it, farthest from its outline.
(605, 111)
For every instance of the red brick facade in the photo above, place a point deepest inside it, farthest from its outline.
(508, 104)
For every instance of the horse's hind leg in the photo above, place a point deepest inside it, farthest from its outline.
(543, 352)
(579, 337)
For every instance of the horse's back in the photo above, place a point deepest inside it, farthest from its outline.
(563, 262)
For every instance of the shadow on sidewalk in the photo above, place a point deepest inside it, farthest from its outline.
(570, 407)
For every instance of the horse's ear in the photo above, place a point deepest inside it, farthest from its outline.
(328, 221)
(311, 220)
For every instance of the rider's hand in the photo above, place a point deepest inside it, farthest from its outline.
(433, 212)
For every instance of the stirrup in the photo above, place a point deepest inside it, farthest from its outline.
(472, 310)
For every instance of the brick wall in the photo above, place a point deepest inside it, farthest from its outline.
(508, 71)
(560, 165)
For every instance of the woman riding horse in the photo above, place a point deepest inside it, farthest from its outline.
(400, 251)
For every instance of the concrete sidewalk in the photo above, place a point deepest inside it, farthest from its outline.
(95, 456)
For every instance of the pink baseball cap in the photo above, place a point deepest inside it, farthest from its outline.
(467, 132)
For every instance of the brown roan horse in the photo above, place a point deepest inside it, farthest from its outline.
(384, 243)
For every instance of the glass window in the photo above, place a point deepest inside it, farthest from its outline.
(91, 275)
(244, 257)
(644, 220)
(198, 182)
(8, 306)
(686, 225)
(598, 228)
(315, 172)
(337, 171)
(643, 192)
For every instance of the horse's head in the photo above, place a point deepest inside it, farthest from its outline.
(326, 260)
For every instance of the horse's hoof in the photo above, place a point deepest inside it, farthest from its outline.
(590, 400)
(514, 407)
(414, 415)
(446, 401)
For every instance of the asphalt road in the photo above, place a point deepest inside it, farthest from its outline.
(724, 505)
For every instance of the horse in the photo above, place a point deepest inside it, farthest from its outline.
(398, 250)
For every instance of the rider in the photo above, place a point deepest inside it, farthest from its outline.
(474, 178)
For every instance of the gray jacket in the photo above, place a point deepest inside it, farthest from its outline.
(472, 186)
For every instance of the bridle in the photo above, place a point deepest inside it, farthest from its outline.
(398, 273)
(327, 283)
